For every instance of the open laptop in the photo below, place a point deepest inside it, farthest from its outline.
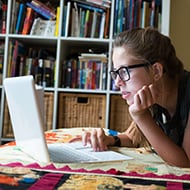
(26, 111)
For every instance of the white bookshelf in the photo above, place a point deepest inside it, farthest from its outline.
(64, 44)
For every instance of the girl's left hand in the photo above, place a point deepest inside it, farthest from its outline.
(143, 100)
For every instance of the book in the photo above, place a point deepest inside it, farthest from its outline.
(103, 3)
(15, 10)
(21, 65)
(28, 21)
(94, 20)
(68, 74)
(20, 18)
(91, 8)
(86, 24)
(107, 23)
(47, 9)
(2, 47)
(18, 50)
(93, 4)
(43, 27)
(41, 9)
(146, 12)
(64, 19)
(57, 21)
(82, 22)
(39, 72)
(4, 18)
(131, 13)
(75, 28)
(102, 25)
(28, 66)
(74, 72)
(66, 29)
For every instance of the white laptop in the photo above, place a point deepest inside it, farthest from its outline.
(26, 112)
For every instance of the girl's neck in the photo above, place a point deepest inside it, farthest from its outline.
(168, 99)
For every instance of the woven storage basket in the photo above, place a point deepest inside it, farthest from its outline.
(81, 110)
(7, 131)
(119, 116)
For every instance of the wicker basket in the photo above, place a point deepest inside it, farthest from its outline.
(7, 131)
(119, 116)
(81, 110)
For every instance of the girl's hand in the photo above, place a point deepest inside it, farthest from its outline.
(143, 100)
(96, 138)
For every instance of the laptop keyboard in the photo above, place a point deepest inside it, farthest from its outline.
(63, 154)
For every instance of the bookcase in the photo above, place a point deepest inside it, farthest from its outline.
(69, 104)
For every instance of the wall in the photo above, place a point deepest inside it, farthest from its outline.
(180, 29)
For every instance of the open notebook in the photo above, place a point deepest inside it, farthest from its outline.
(25, 103)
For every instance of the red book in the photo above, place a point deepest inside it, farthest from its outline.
(28, 21)
(4, 17)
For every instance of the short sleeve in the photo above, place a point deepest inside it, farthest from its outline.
(137, 137)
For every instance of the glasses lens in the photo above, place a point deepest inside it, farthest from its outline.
(113, 75)
(123, 73)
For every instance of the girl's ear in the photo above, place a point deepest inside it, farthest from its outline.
(157, 70)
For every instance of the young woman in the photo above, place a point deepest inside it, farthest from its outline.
(156, 87)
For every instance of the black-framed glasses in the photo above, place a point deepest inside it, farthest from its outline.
(123, 71)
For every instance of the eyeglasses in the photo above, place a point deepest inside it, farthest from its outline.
(123, 72)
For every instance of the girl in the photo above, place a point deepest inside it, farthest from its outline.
(156, 87)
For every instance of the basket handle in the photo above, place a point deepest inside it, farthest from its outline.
(83, 100)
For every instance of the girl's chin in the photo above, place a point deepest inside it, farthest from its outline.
(127, 99)
(129, 102)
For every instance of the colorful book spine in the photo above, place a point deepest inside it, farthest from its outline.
(4, 18)
(20, 18)
(40, 11)
(28, 21)
(91, 8)
(42, 6)
(57, 21)
(67, 19)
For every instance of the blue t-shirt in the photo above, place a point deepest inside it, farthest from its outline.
(174, 127)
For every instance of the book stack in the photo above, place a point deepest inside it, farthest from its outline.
(89, 71)
(86, 18)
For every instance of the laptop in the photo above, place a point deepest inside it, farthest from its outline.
(25, 104)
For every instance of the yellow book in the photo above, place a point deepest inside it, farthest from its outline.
(57, 21)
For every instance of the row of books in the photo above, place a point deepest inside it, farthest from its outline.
(89, 71)
(79, 18)
(2, 47)
(33, 17)
(37, 62)
(136, 13)
(86, 19)
(3, 16)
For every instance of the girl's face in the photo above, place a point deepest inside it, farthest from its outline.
(139, 76)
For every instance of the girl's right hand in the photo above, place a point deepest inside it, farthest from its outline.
(97, 138)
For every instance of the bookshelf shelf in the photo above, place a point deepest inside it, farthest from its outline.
(63, 48)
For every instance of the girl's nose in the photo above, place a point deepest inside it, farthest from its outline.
(118, 81)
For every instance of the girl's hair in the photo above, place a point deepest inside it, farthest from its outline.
(150, 45)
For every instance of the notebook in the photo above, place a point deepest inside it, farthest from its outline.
(25, 104)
